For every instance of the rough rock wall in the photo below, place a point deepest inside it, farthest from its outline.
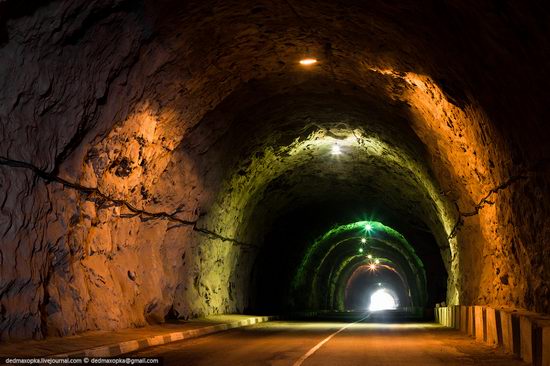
(55, 83)
(73, 239)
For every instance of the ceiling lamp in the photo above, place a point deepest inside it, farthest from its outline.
(308, 61)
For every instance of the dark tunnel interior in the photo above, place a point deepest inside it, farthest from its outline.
(292, 233)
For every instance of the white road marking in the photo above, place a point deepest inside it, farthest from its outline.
(301, 360)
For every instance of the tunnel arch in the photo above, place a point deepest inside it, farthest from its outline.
(123, 108)
(344, 267)
(415, 296)
(310, 153)
(355, 265)
(310, 281)
(358, 299)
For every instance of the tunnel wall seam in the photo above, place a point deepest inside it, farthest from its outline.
(483, 202)
(136, 211)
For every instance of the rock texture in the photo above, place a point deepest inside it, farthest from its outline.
(148, 147)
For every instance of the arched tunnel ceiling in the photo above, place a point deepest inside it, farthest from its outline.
(182, 132)
(386, 271)
(413, 279)
(287, 149)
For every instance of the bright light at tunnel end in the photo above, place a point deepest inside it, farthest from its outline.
(382, 300)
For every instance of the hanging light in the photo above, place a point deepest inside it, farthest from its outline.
(363, 240)
(336, 150)
(308, 61)
(368, 227)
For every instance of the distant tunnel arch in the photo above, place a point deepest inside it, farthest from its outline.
(332, 259)
(364, 281)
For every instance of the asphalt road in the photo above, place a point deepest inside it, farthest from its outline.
(331, 343)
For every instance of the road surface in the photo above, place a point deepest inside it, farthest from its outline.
(283, 343)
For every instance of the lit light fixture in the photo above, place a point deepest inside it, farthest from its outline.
(368, 227)
(363, 240)
(377, 261)
(336, 150)
(308, 61)
(360, 250)
(372, 267)
(369, 256)
(379, 284)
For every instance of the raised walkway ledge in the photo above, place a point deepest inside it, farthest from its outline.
(114, 343)
(522, 333)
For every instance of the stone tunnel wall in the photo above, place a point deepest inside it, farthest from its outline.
(110, 214)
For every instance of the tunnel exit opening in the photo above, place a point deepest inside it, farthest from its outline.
(383, 300)
(368, 290)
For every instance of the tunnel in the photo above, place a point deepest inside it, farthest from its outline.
(167, 160)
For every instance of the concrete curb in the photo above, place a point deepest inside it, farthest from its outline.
(117, 349)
